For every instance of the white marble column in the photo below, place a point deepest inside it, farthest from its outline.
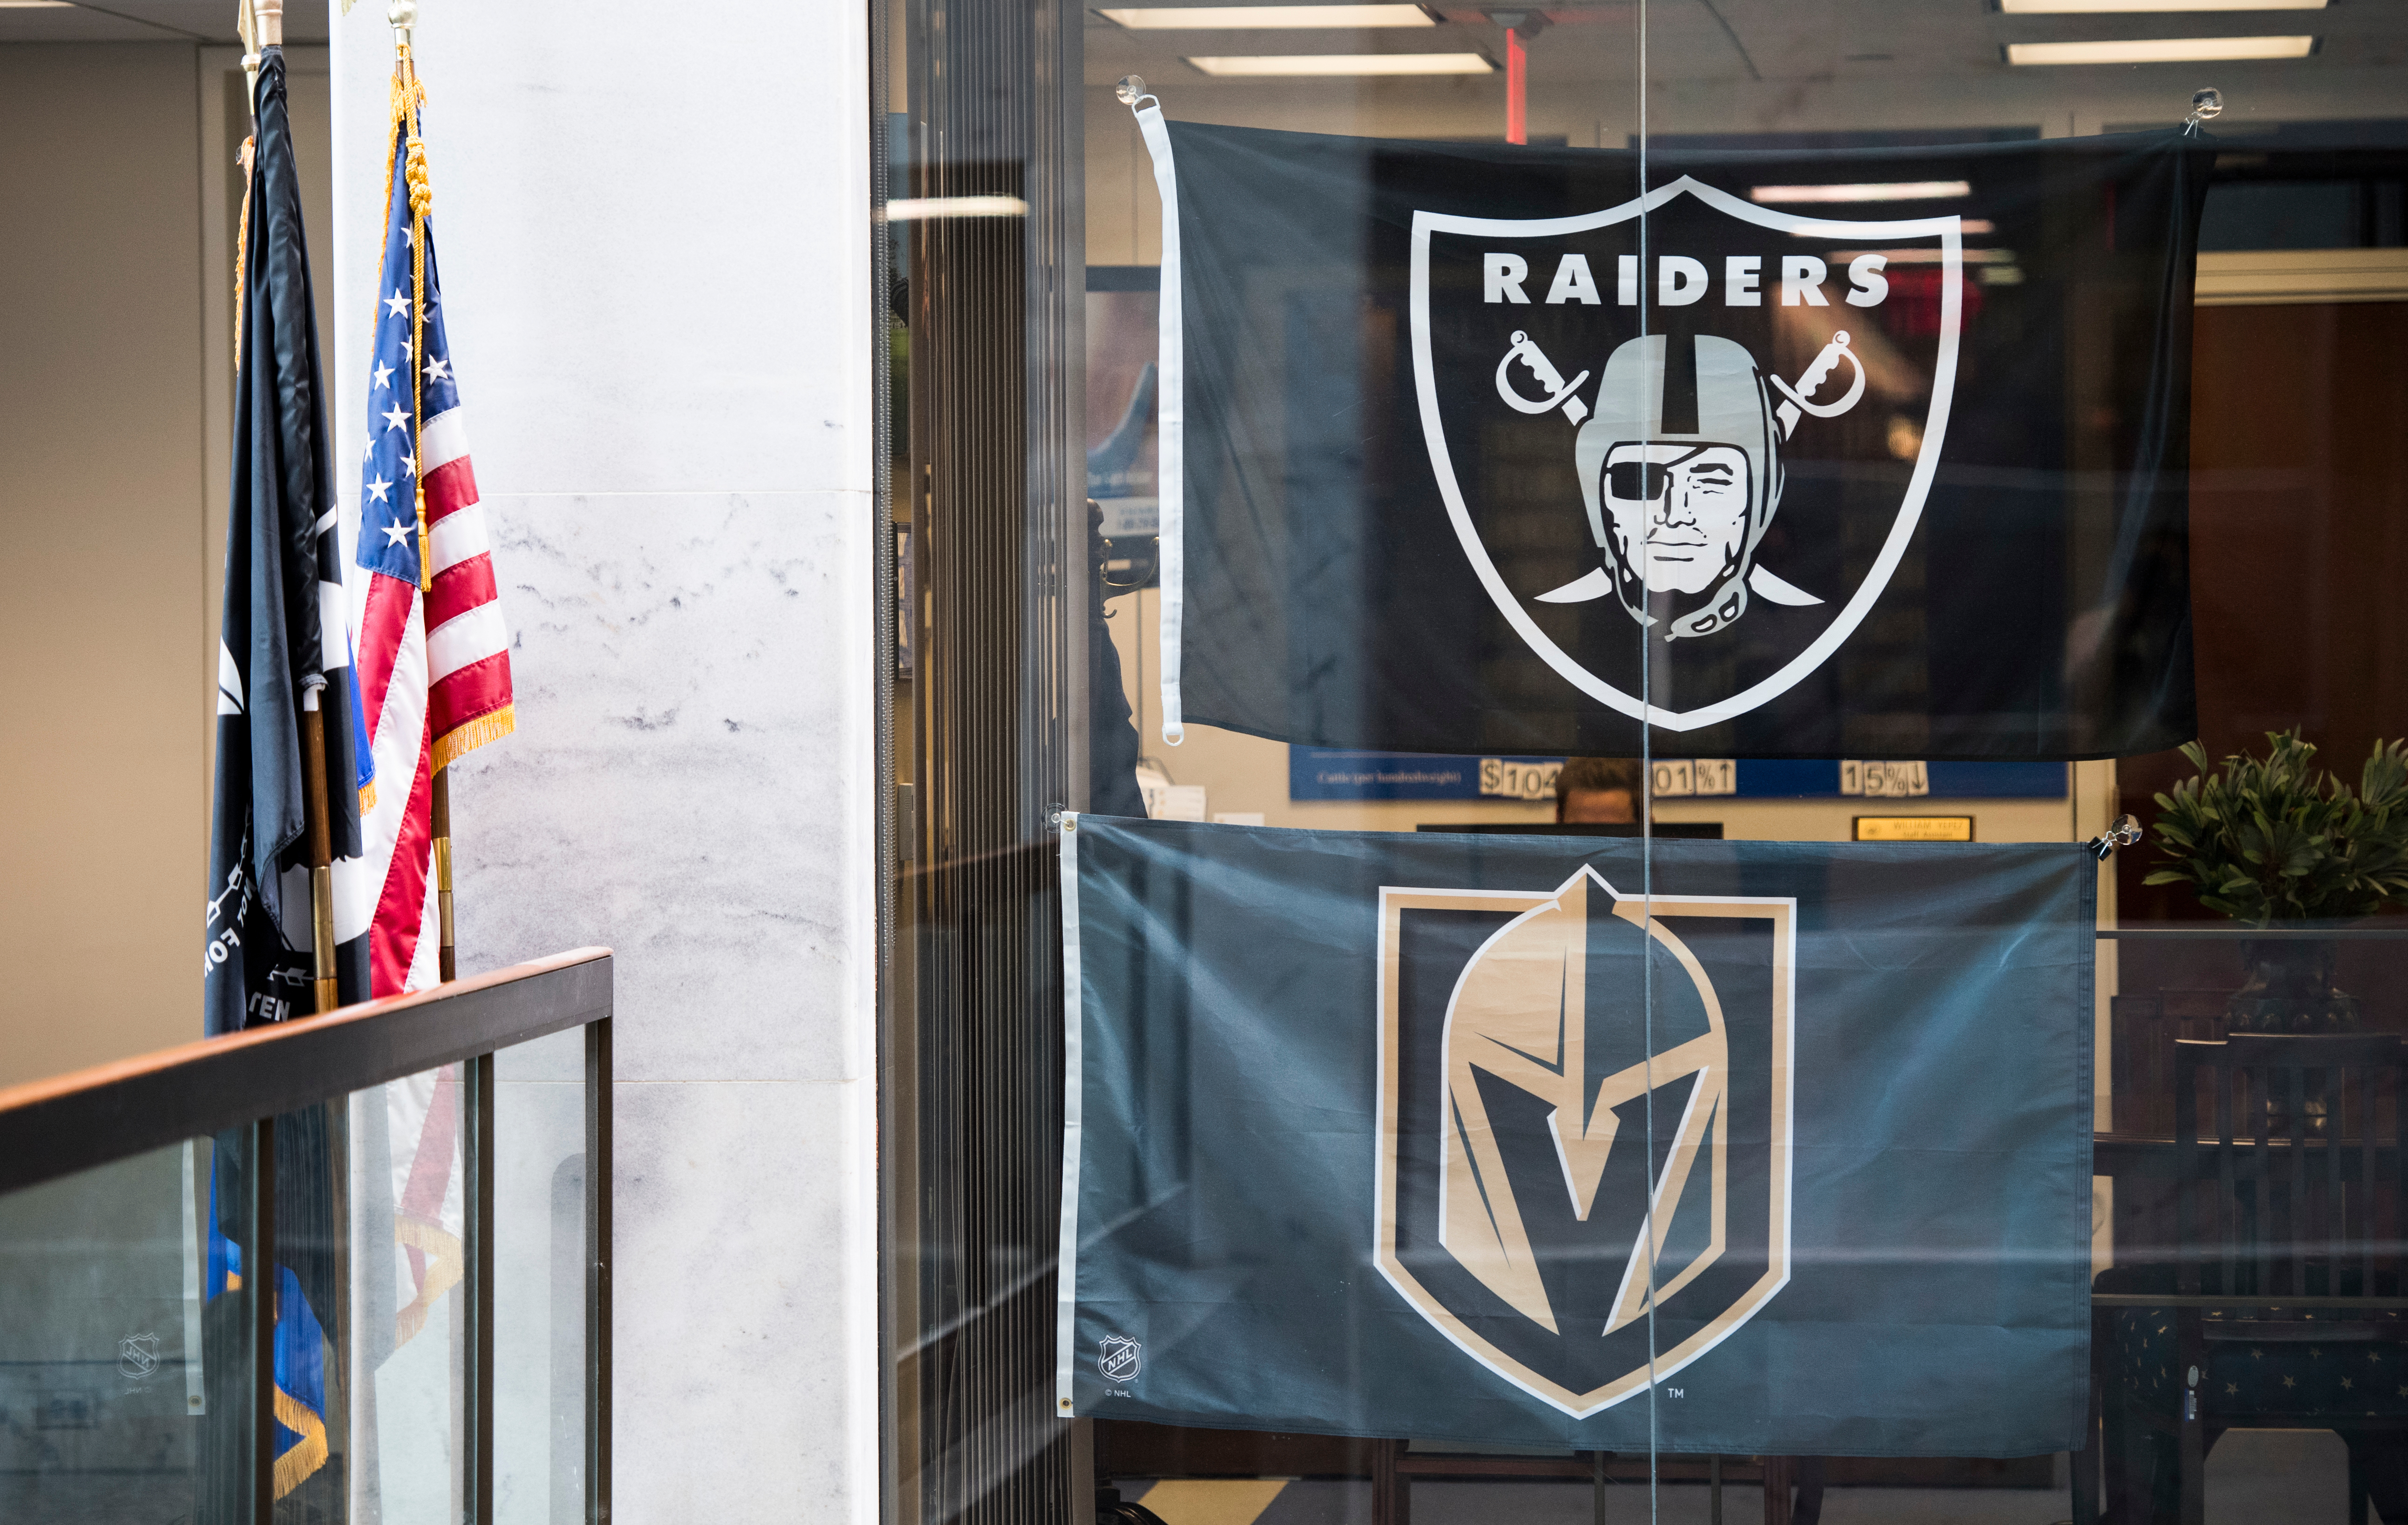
(653, 231)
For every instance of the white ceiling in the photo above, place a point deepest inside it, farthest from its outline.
(152, 20)
(1779, 65)
(1765, 40)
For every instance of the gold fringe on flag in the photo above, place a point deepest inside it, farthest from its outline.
(445, 1259)
(308, 1454)
(461, 740)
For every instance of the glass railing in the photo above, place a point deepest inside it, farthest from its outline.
(351, 1270)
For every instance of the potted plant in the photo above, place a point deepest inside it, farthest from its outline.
(2271, 843)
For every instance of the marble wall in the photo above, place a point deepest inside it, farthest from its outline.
(654, 238)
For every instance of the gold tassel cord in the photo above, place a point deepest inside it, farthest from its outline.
(422, 202)
(418, 394)
(403, 99)
(241, 248)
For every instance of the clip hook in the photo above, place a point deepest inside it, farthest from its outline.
(2122, 833)
(2205, 105)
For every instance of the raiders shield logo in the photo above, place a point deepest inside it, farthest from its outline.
(1584, 1113)
(1736, 483)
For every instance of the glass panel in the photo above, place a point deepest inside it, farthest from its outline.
(1324, 392)
(408, 1299)
(539, 1282)
(312, 1447)
(1010, 700)
(124, 1393)
(2294, 531)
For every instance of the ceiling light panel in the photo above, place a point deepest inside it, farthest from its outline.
(1326, 65)
(925, 208)
(2160, 51)
(1875, 191)
(2101, 8)
(1264, 18)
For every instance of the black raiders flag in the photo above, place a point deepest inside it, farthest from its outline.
(285, 645)
(1874, 453)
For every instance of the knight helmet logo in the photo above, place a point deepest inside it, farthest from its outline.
(1584, 1115)
(1670, 453)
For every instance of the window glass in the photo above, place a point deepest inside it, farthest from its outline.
(1928, 419)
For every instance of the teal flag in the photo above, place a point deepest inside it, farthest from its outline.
(1746, 1148)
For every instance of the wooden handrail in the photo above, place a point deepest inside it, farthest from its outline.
(91, 1116)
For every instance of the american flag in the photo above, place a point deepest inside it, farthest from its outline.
(434, 668)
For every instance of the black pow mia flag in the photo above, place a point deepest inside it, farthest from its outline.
(1875, 453)
(285, 644)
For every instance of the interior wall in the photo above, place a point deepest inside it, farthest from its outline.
(2300, 525)
(102, 540)
(662, 339)
(115, 266)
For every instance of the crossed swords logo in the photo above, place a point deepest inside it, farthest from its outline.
(1797, 401)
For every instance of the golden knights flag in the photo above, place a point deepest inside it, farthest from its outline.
(1734, 1148)
(1483, 448)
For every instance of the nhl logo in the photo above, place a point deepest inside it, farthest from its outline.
(1705, 508)
(1585, 1118)
(1119, 1359)
(138, 1355)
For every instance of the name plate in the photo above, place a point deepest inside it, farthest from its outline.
(1914, 828)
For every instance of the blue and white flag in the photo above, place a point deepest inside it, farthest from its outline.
(1735, 1147)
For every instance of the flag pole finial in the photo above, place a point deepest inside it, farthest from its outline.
(403, 16)
(246, 25)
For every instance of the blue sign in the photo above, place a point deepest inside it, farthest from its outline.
(1321, 773)
(1807, 779)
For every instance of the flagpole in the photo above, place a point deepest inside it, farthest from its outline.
(319, 849)
(447, 965)
(403, 16)
(266, 30)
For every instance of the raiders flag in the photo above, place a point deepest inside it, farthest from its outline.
(1774, 1147)
(1875, 453)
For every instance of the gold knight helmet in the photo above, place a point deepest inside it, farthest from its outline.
(1681, 472)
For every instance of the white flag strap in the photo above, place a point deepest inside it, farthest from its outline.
(1170, 476)
(1065, 1282)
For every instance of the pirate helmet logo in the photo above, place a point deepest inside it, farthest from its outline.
(1682, 439)
(1681, 474)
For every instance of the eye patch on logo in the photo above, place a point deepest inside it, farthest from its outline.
(1647, 480)
(1637, 479)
